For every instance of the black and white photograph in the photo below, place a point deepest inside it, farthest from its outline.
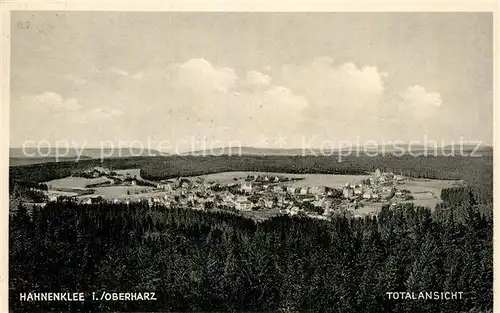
(250, 161)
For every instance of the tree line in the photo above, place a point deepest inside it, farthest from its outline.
(213, 261)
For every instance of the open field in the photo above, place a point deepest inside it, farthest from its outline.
(61, 193)
(432, 185)
(118, 191)
(75, 182)
(427, 192)
(369, 208)
(328, 180)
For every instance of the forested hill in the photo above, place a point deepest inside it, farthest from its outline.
(476, 171)
(203, 262)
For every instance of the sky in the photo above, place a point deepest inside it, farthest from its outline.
(275, 80)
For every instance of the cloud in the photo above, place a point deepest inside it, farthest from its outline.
(191, 98)
(118, 71)
(56, 107)
(345, 99)
(111, 74)
(413, 113)
(419, 112)
(276, 110)
(76, 80)
(137, 75)
(100, 113)
(197, 98)
(97, 114)
(417, 97)
(54, 101)
(329, 85)
(124, 73)
(48, 116)
(255, 79)
(200, 75)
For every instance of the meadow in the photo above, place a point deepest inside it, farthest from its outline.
(118, 191)
(305, 180)
(75, 182)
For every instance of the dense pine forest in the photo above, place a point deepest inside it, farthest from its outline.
(212, 261)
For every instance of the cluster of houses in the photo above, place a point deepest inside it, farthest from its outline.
(253, 193)
(244, 194)
(102, 177)
(378, 187)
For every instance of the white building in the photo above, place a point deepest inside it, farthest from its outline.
(293, 211)
(243, 205)
(347, 192)
(277, 189)
(317, 190)
(166, 187)
(246, 187)
(87, 201)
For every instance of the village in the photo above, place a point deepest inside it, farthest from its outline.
(250, 193)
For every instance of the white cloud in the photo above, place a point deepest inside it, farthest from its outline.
(255, 79)
(197, 98)
(124, 73)
(343, 85)
(345, 100)
(419, 112)
(416, 96)
(118, 71)
(53, 105)
(76, 80)
(274, 111)
(97, 114)
(201, 75)
(48, 116)
(52, 100)
(137, 75)
(100, 113)
(194, 97)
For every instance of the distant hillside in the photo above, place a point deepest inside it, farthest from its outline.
(32, 156)
(17, 161)
(20, 156)
(244, 151)
(387, 149)
(470, 147)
